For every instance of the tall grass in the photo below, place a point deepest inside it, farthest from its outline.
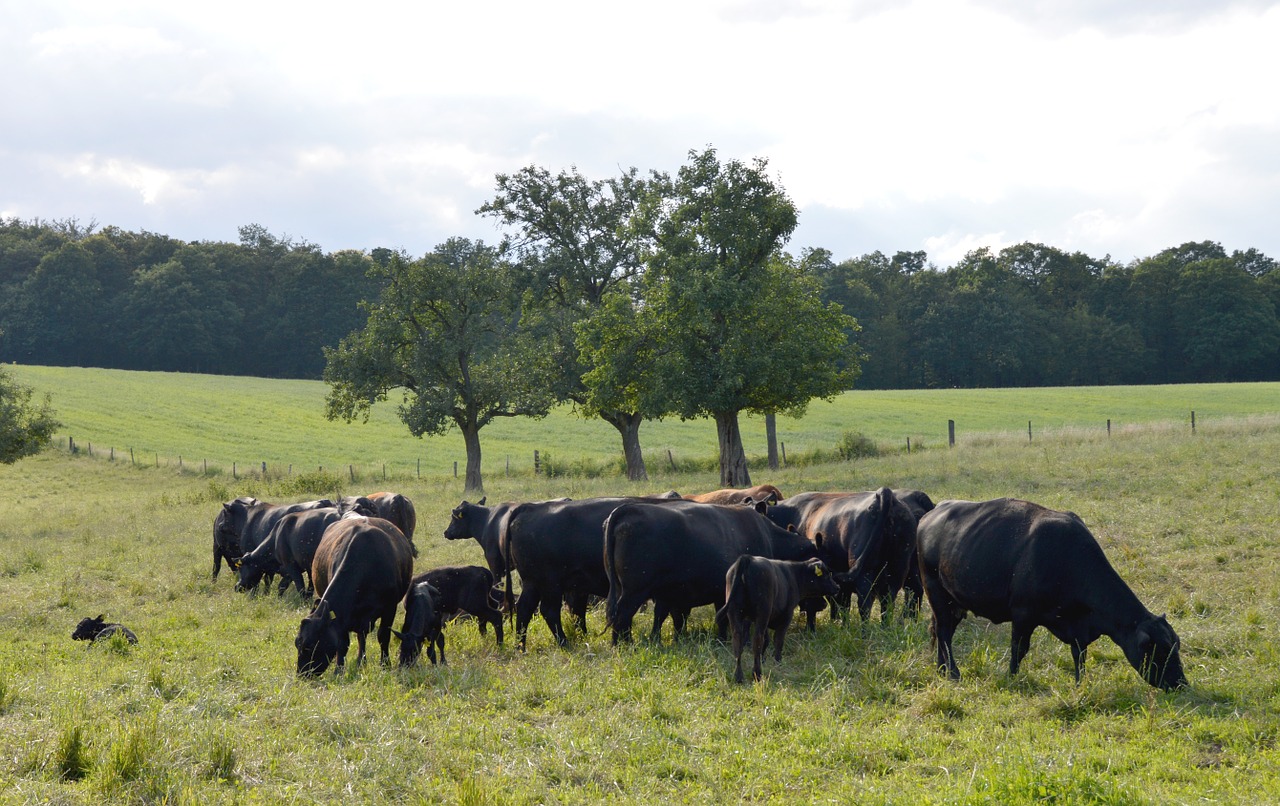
(206, 707)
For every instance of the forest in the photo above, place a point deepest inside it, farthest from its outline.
(1028, 315)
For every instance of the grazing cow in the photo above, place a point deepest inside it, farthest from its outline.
(869, 541)
(486, 525)
(290, 547)
(678, 553)
(557, 548)
(465, 589)
(245, 522)
(423, 624)
(95, 629)
(1012, 560)
(363, 567)
(764, 593)
(750, 495)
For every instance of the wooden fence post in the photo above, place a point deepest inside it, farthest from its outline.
(537, 464)
(908, 444)
(455, 469)
(784, 453)
(1193, 421)
(1028, 430)
(951, 433)
(352, 470)
(671, 459)
(1108, 426)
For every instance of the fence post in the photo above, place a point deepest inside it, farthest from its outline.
(131, 457)
(419, 467)
(1108, 426)
(264, 470)
(671, 459)
(113, 453)
(91, 449)
(455, 469)
(951, 433)
(784, 453)
(908, 444)
(234, 475)
(179, 461)
(384, 471)
(1193, 421)
(352, 470)
(508, 464)
(537, 464)
(1028, 430)
(206, 467)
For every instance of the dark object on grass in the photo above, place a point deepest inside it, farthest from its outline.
(95, 629)
(1012, 560)
(465, 589)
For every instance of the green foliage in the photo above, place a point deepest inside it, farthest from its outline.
(25, 428)
(70, 757)
(856, 445)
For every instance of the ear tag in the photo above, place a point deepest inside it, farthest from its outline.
(817, 572)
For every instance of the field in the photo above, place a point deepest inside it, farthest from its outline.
(206, 708)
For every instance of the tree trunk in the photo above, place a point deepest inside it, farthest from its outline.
(771, 436)
(471, 436)
(628, 425)
(733, 459)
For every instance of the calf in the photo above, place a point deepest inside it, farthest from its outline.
(764, 593)
(465, 589)
(1012, 560)
(422, 624)
(93, 629)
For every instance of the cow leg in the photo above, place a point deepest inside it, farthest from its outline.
(440, 646)
(660, 613)
(577, 603)
(361, 632)
(810, 608)
(526, 603)
(780, 635)
(384, 634)
(549, 606)
(1019, 643)
(495, 618)
(946, 615)
(1078, 651)
(217, 563)
(624, 611)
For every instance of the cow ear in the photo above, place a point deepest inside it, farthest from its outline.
(483, 498)
(819, 539)
(761, 507)
(100, 615)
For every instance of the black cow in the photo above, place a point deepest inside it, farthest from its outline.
(912, 588)
(95, 629)
(486, 525)
(557, 548)
(363, 566)
(764, 593)
(677, 554)
(423, 624)
(245, 522)
(869, 541)
(1012, 560)
(290, 547)
(465, 589)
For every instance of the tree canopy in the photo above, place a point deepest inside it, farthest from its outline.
(25, 426)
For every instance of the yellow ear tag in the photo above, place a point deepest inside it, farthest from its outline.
(817, 572)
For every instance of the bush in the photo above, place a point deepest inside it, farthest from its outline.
(856, 445)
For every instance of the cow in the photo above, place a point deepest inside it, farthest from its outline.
(486, 525)
(245, 522)
(557, 548)
(764, 593)
(290, 547)
(1012, 560)
(869, 541)
(465, 589)
(678, 553)
(363, 566)
(912, 588)
(423, 623)
(95, 629)
(750, 495)
(396, 508)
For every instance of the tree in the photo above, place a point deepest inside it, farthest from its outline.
(25, 428)
(445, 331)
(732, 324)
(575, 239)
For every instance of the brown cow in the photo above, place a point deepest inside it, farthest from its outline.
(363, 566)
(750, 495)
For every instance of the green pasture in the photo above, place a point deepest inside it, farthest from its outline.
(206, 708)
(221, 420)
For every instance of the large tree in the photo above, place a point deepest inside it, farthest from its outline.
(575, 237)
(733, 324)
(25, 427)
(445, 331)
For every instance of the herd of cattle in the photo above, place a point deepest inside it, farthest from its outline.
(753, 554)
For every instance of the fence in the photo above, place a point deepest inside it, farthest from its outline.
(540, 463)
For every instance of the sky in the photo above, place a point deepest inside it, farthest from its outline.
(1108, 128)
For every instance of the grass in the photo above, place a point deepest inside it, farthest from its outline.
(206, 707)
(164, 418)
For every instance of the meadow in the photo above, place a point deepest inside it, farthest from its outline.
(207, 709)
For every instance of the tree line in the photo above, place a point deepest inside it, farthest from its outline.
(631, 297)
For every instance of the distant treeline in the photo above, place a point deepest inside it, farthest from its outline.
(1028, 315)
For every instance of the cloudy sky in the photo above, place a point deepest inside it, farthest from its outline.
(943, 125)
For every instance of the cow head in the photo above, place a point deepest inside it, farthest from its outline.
(88, 628)
(818, 580)
(460, 527)
(422, 623)
(317, 642)
(360, 505)
(1153, 650)
(249, 570)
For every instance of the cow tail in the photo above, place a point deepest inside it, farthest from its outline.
(504, 541)
(737, 597)
(611, 602)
